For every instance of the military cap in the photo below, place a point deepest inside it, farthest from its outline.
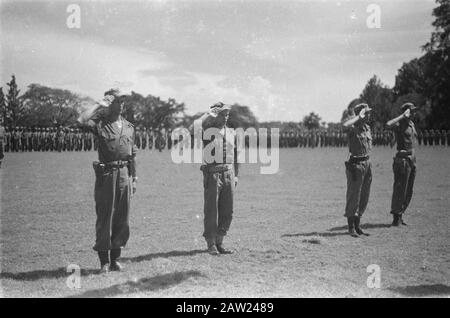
(221, 106)
(408, 105)
(358, 108)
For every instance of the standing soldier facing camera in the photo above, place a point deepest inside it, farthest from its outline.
(2, 137)
(358, 167)
(404, 162)
(448, 137)
(220, 176)
(443, 137)
(116, 179)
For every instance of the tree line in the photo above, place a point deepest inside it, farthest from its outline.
(425, 81)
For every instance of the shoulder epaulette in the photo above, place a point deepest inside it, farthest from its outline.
(128, 123)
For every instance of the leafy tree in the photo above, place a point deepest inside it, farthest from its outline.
(437, 70)
(152, 111)
(3, 112)
(14, 109)
(411, 78)
(242, 117)
(312, 121)
(380, 98)
(440, 38)
(46, 106)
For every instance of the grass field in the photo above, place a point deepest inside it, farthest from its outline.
(288, 230)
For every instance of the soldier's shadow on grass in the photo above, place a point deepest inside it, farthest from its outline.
(423, 290)
(366, 226)
(149, 257)
(334, 231)
(323, 234)
(142, 285)
(42, 274)
(62, 271)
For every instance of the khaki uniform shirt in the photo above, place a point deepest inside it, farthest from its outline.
(115, 143)
(359, 140)
(228, 152)
(405, 135)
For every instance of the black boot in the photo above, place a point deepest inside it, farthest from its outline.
(220, 247)
(351, 226)
(115, 265)
(357, 228)
(396, 221)
(104, 261)
(212, 248)
(401, 220)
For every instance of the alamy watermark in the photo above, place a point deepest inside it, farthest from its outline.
(189, 149)
(374, 279)
(374, 19)
(74, 279)
(73, 20)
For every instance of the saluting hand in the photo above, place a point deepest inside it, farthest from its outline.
(407, 113)
(362, 113)
(214, 111)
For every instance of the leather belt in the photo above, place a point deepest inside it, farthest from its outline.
(404, 154)
(116, 164)
(216, 168)
(356, 159)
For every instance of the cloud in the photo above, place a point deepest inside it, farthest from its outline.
(76, 62)
(283, 59)
(256, 92)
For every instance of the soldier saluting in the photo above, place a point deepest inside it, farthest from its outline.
(404, 162)
(115, 179)
(358, 167)
(220, 170)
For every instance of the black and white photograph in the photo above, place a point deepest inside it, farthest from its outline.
(225, 154)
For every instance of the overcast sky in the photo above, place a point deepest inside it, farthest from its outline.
(284, 59)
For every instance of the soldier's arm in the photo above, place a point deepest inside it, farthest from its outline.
(350, 122)
(91, 117)
(394, 121)
(205, 120)
(236, 156)
(132, 160)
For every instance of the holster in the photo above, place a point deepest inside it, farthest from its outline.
(99, 168)
(403, 159)
(398, 160)
(132, 167)
(351, 167)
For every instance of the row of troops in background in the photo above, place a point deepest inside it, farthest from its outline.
(326, 138)
(338, 138)
(24, 139)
